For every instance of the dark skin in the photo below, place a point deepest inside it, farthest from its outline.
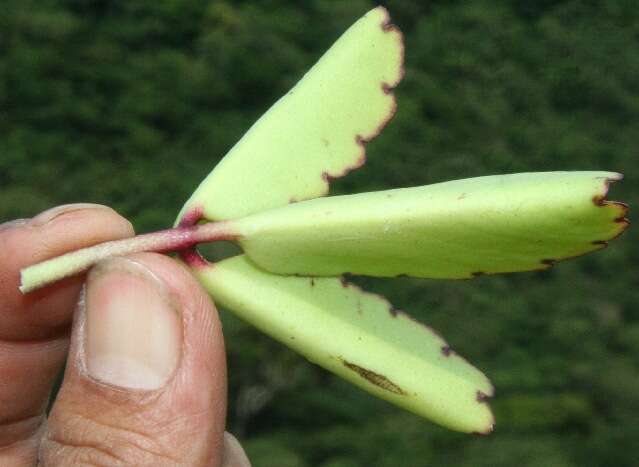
(108, 411)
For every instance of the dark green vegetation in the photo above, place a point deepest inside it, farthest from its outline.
(131, 103)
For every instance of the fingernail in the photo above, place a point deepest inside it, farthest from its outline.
(234, 455)
(50, 214)
(133, 329)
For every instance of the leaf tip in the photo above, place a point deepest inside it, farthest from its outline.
(387, 86)
(622, 209)
(489, 429)
(483, 398)
(390, 28)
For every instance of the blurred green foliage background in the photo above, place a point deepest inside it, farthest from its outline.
(131, 103)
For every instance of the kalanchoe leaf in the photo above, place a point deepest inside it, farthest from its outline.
(317, 131)
(450, 230)
(358, 336)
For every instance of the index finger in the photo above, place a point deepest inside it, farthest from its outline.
(34, 328)
(51, 233)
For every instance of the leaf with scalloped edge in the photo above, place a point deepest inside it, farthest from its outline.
(358, 336)
(317, 131)
(458, 229)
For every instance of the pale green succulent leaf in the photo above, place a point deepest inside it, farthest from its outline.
(315, 132)
(358, 336)
(456, 229)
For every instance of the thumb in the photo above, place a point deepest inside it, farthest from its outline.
(145, 382)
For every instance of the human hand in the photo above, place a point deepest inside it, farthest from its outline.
(145, 381)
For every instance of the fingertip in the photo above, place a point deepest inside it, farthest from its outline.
(234, 454)
(74, 226)
(30, 241)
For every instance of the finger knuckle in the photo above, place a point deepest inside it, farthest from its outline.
(14, 431)
(81, 441)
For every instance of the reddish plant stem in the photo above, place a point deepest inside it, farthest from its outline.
(176, 239)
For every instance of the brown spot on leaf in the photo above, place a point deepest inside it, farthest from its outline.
(599, 200)
(447, 351)
(548, 262)
(478, 273)
(388, 26)
(622, 220)
(378, 380)
(482, 397)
